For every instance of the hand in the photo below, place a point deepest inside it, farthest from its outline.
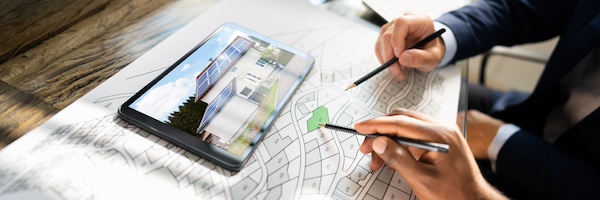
(402, 33)
(481, 130)
(432, 175)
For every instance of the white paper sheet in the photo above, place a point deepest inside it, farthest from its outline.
(86, 152)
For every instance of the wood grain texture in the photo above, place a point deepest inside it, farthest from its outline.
(20, 112)
(65, 67)
(77, 45)
(27, 23)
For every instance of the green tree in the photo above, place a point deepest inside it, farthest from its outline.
(188, 117)
(269, 55)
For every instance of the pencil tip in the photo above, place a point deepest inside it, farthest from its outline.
(351, 86)
(322, 125)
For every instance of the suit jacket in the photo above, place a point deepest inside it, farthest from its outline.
(527, 166)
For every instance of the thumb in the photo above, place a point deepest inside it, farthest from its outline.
(424, 60)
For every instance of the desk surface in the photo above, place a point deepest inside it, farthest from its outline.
(54, 52)
(85, 151)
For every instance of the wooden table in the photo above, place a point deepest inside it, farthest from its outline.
(54, 51)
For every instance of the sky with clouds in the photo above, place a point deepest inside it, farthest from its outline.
(174, 89)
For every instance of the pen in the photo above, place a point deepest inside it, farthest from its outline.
(419, 45)
(430, 146)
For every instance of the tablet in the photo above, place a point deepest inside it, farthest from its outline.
(219, 100)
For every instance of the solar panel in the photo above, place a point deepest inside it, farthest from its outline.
(213, 71)
(224, 60)
(215, 106)
(201, 85)
(224, 66)
(230, 52)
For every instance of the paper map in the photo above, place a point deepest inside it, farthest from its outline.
(87, 152)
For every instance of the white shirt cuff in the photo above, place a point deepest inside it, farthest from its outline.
(504, 132)
(449, 42)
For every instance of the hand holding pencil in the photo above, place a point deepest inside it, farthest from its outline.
(431, 174)
(394, 60)
(396, 38)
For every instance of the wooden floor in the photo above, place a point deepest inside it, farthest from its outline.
(54, 51)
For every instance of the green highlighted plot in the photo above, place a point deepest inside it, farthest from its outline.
(320, 116)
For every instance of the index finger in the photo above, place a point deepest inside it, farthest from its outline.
(408, 30)
(399, 125)
(399, 36)
(411, 113)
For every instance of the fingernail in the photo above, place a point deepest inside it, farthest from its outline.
(394, 70)
(379, 146)
(395, 51)
(407, 58)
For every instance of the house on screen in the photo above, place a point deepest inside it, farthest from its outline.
(233, 84)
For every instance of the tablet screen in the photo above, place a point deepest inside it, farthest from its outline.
(227, 91)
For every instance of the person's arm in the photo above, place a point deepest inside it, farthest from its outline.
(431, 175)
(449, 41)
(531, 167)
(542, 171)
(486, 23)
(504, 132)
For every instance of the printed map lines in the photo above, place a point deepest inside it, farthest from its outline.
(291, 162)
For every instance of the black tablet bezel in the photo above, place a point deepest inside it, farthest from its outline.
(190, 143)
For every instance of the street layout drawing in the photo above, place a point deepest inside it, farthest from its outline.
(108, 158)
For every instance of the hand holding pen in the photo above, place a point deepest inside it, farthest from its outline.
(442, 138)
(431, 174)
(421, 169)
(429, 146)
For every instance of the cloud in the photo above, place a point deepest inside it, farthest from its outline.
(185, 67)
(162, 100)
(220, 42)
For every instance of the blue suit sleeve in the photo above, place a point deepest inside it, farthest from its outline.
(539, 170)
(486, 23)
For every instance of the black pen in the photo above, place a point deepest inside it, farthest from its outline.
(419, 45)
(430, 146)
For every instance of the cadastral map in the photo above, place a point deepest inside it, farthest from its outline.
(104, 157)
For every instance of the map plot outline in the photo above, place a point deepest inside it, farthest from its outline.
(103, 157)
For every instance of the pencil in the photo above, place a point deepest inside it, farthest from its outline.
(430, 146)
(387, 64)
